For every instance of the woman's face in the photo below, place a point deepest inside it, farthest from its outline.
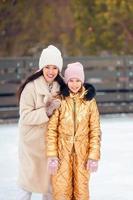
(74, 85)
(50, 72)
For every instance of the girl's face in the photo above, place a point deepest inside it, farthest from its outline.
(74, 85)
(50, 72)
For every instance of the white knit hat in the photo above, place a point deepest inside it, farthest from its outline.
(51, 56)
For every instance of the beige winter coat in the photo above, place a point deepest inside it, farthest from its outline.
(33, 173)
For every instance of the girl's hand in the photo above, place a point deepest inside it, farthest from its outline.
(92, 165)
(53, 165)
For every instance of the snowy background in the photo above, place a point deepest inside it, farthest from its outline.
(114, 179)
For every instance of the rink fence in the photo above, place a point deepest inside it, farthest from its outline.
(112, 77)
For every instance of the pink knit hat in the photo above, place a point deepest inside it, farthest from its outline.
(74, 70)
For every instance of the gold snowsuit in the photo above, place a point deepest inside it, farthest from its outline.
(74, 137)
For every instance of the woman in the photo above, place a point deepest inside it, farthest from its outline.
(37, 102)
(73, 138)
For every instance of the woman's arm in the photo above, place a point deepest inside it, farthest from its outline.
(29, 115)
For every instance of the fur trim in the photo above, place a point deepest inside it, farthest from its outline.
(89, 94)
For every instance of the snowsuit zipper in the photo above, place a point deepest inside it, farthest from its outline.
(74, 119)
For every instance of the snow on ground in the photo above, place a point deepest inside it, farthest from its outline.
(114, 179)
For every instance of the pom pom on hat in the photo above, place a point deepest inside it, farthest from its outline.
(74, 70)
(51, 56)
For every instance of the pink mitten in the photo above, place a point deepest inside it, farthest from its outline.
(92, 165)
(54, 104)
(53, 165)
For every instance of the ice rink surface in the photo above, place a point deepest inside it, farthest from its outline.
(114, 179)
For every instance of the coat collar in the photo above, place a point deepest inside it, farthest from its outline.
(80, 94)
(42, 87)
(87, 92)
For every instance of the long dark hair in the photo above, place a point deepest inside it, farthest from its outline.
(36, 75)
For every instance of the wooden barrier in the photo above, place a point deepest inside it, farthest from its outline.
(111, 76)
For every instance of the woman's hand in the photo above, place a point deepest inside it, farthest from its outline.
(53, 165)
(92, 165)
(54, 104)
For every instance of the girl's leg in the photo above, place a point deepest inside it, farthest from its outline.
(62, 181)
(23, 195)
(81, 179)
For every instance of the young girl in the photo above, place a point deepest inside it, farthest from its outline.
(37, 102)
(73, 138)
